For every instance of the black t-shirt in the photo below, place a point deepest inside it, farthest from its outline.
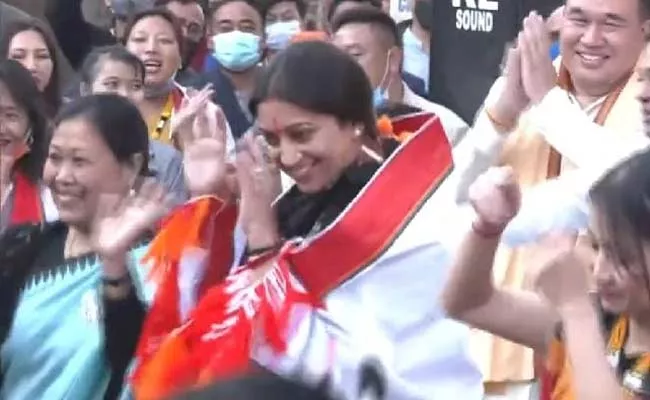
(467, 42)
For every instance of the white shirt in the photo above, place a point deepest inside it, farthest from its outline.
(562, 203)
(416, 57)
(454, 125)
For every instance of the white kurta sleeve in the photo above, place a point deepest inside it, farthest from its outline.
(479, 150)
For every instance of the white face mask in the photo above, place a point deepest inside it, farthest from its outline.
(279, 34)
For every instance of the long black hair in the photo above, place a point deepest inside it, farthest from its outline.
(52, 92)
(26, 95)
(621, 199)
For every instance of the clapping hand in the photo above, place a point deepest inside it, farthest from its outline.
(496, 198)
(537, 70)
(513, 99)
(564, 278)
(259, 186)
(182, 122)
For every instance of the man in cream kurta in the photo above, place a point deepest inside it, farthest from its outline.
(576, 128)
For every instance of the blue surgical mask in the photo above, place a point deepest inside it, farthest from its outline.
(279, 34)
(380, 93)
(236, 50)
(379, 97)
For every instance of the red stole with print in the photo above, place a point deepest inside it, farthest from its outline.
(217, 339)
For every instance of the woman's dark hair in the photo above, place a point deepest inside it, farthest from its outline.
(117, 120)
(320, 78)
(25, 94)
(117, 52)
(51, 93)
(622, 200)
(263, 385)
(159, 12)
(393, 109)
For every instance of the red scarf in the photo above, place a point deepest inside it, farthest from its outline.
(217, 339)
(26, 207)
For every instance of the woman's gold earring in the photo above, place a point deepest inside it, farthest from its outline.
(358, 132)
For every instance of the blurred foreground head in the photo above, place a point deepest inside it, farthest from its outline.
(259, 386)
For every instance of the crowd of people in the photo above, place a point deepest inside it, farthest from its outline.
(229, 200)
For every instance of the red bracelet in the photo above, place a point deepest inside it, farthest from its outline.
(486, 230)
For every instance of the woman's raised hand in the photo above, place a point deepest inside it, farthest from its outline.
(204, 155)
(259, 185)
(182, 122)
(564, 277)
(121, 221)
(496, 197)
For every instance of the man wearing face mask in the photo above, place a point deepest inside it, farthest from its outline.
(371, 37)
(283, 20)
(416, 36)
(337, 7)
(237, 43)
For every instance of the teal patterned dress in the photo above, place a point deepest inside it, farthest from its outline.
(61, 339)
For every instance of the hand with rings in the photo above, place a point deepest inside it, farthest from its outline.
(259, 186)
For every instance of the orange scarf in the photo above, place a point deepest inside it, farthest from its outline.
(560, 370)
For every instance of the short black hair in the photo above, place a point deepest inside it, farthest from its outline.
(301, 6)
(160, 12)
(117, 121)
(255, 4)
(265, 386)
(115, 52)
(164, 3)
(336, 3)
(204, 4)
(374, 17)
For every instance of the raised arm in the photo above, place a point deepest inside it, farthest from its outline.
(470, 294)
(585, 346)
(564, 283)
(115, 232)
